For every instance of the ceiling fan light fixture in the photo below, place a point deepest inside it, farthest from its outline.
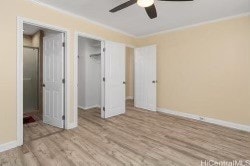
(145, 3)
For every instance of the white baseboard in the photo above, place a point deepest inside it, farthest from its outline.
(205, 119)
(72, 126)
(8, 146)
(129, 97)
(89, 107)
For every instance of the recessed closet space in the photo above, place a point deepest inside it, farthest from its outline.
(89, 73)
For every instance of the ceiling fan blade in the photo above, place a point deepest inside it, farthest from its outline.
(151, 11)
(122, 6)
(176, 0)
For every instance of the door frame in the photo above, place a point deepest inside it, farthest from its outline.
(20, 22)
(85, 35)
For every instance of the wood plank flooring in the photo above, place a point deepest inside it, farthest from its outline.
(38, 129)
(136, 138)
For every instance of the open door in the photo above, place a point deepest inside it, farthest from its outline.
(145, 78)
(114, 75)
(53, 85)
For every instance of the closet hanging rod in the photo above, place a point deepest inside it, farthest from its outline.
(97, 45)
(94, 55)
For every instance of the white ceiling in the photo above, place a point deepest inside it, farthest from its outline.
(171, 15)
(32, 29)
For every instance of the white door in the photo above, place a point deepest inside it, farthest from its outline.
(114, 79)
(145, 78)
(53, 75)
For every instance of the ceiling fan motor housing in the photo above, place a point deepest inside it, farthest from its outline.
(145, 3)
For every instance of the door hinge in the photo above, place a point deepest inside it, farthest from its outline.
(103, 108)
(63, 44)
(103, 79)
(63, 81)
(63, 117)
(104, 49)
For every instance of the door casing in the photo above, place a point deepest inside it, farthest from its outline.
(20, 22)
(77, 35)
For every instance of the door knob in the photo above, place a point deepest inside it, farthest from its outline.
(154, 82)
(124, 82)
(43, 85)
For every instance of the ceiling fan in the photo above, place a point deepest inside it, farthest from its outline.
(147, 4)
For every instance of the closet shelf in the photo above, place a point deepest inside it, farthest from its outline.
(95, 55)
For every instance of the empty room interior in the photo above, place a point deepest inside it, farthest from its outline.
(125, 82)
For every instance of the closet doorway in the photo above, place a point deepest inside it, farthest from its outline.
(89, 74)
(100, 76)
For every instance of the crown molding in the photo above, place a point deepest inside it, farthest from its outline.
(195, 25)
(138, 36)
(81, 17)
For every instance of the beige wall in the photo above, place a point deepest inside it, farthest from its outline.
(36, 39)
(8, 56)
(205, 70)
(32, 40)
(129, 72)
(27, 41)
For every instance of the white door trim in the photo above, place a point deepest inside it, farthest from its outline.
(20, 22)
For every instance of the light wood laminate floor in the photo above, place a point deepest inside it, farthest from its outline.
(136, 138)
(37, 129)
